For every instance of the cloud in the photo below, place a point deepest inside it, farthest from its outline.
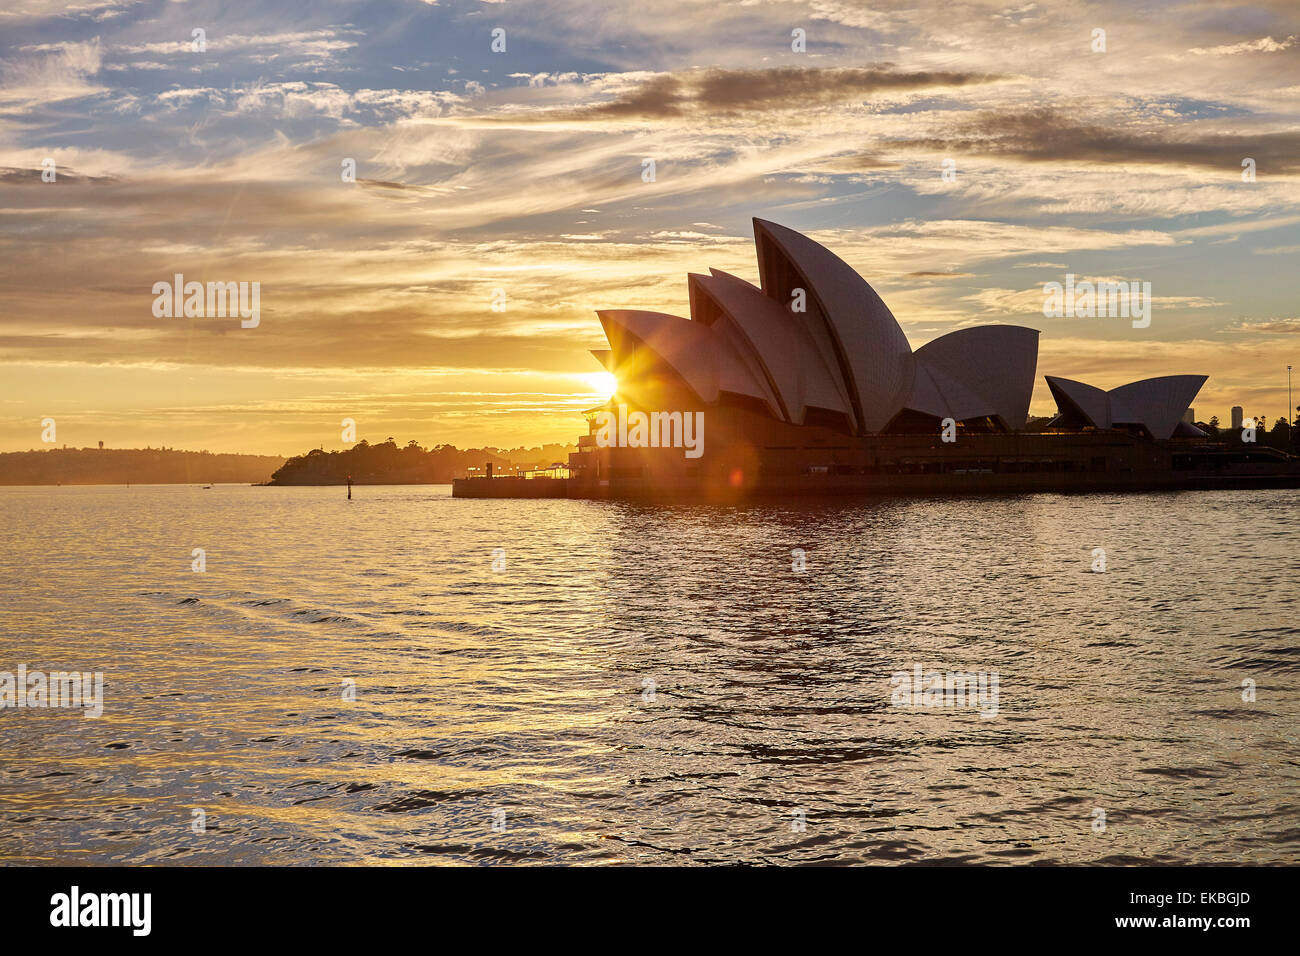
(1262, 45)
(56, 73)
(723, 93)
(43, 9)
(1049, 135)
(300, 43)
(795, 88)
(522, 171)
(1267, 326)
(13, 176)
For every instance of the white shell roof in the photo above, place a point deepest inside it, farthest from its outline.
(846, 353)
(871, 347)
(1090, 401)
(791, 361)
(1155, 403)
(984, 370)
(706, 361)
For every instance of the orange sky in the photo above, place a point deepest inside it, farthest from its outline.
(521, 171)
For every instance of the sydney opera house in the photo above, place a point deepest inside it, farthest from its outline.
(806, 384)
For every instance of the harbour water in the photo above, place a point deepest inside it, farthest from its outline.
(554, 681)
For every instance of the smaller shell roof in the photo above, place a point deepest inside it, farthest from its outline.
(979, 371)
(706, 361)
(1157, 404)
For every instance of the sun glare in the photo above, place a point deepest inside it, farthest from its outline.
(603, 384)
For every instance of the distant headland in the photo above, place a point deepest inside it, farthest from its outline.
(132, 466)
(386, 463)
(390, 464)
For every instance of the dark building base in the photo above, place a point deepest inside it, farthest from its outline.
(862, 486)
(511, 488)
(755, 458)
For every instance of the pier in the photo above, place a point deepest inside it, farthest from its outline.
(510, 487)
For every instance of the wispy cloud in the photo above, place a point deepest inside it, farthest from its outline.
(524, 172)
(1053, 136)
(1262, 45)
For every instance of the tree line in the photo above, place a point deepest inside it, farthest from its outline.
(389, 463)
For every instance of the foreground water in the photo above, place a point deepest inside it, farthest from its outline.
(634, 684)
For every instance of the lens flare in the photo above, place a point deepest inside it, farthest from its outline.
(603, 384)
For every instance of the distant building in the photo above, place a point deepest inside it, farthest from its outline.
(1237, 416)
(101, 446)
(1189, 416)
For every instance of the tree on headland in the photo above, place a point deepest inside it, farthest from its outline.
(139, 466)
(386, 463)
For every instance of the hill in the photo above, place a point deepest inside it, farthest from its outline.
(137, 466)
(388, 464)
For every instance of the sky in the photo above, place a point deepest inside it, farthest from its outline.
(448, 293)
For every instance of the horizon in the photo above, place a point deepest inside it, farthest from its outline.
(540, 446)
(498, 199)
(298, 454)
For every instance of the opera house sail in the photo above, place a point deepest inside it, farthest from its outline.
(807, 384)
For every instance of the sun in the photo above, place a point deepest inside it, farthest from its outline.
(603, 384)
